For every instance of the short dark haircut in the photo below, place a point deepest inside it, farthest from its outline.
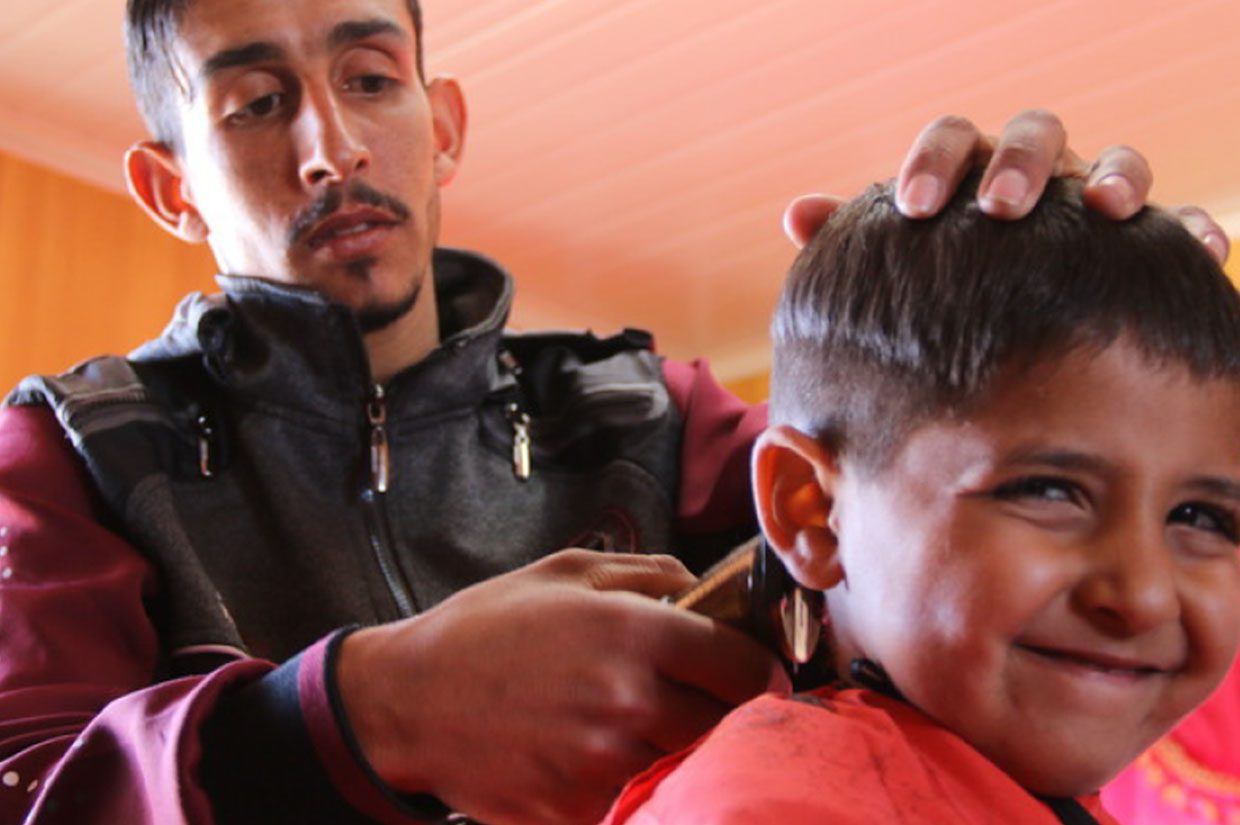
(150, 31)
(886, 323)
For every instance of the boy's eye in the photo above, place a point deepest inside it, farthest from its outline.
(1042, 488)
(1206, 517)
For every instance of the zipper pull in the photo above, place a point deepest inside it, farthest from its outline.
(205, 433)
(521, 463)
(376, 415)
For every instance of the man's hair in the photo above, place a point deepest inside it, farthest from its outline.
(886, 322)
(150, 31)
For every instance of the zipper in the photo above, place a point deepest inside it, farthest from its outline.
(380, 455)
(522, 462)
(374, 497)
(206, 434)
(522, 466)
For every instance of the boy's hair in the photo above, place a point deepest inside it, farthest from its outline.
(887, 322)
(150, 31)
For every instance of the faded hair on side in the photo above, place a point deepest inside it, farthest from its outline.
(886, 322)
(150, 32)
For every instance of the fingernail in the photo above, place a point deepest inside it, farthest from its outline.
(1008, 189)
(921, 196)
(1216, 245)
(1121, 194)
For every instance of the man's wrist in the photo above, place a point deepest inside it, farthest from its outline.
(361, 725)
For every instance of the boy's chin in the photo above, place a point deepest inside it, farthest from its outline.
(1067, 777)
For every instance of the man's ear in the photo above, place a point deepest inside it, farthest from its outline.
(794, 482)
(153, 174)
(450, 119)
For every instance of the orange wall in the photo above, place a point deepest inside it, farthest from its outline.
(753, 388)
(82, 272)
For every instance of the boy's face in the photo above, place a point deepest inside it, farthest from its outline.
(1055, 577)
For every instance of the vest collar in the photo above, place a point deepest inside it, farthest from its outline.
(289, 347)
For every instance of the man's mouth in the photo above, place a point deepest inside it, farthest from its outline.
(347, 225)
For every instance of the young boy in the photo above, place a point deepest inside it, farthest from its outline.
(1009, 454)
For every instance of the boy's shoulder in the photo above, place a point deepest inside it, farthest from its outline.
(841, 756)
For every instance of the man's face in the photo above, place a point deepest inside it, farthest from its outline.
(1055, 577)
(311, 149)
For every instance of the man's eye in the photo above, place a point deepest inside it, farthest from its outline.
(1040, 488)
(1206, 517)
(370, 84)
(258, 109)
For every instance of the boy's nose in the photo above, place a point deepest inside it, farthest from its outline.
(331, 150)
(1130, 586)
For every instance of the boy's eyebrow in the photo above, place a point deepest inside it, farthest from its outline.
(1064, 459)
(1215, 486)
(352, 31)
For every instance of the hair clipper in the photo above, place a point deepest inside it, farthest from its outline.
(750, 590)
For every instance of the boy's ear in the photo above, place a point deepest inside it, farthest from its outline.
(450, 118)
(154, 177)
(794, 481)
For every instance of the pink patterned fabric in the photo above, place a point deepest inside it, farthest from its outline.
(1192, 776)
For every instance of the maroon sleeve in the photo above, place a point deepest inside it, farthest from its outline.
(86, 736)
(719, 432)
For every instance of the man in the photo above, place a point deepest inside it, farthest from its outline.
(350, 439)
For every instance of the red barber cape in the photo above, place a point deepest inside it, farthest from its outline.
(850, 757)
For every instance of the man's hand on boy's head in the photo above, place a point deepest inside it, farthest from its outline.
(1197, 221)
(1031, 149)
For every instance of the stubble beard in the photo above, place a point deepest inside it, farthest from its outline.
(378, 316)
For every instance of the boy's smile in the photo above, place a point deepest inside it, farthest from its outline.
(1053, 576)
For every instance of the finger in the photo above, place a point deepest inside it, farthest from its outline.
(714, 658)
(941, 156)
(806, 215)
(682, 717)
(651, 575)
(1203, 227)
(1028, 153)
(603, 760)
(1119, 183)
(590, 776)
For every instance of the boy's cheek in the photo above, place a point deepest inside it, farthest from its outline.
(1212, 619)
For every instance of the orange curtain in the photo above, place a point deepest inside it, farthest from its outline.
(82, 271)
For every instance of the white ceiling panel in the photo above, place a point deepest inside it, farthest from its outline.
(629, 159)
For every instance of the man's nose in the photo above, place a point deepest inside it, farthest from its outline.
(1130, 586)
(331, 149)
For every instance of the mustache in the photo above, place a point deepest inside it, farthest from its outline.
(336, 197)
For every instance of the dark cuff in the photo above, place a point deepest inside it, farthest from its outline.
(277, 751)
(338, 748)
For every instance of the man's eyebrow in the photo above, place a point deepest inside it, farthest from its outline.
(245, 55)
(352, 31)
